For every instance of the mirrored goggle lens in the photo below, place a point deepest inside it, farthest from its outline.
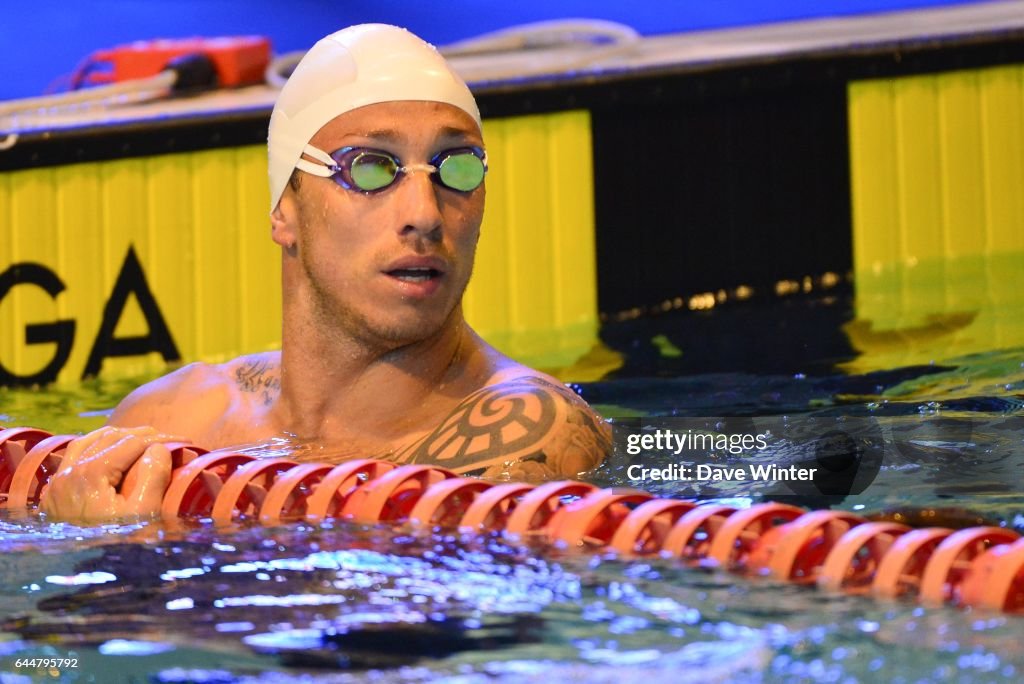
(461, 171)
(372, 171)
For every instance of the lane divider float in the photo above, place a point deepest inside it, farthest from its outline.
(838, 551)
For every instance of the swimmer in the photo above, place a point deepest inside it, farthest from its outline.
(377, 164)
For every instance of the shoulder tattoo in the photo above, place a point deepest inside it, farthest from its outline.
(259, 377)
(527, 419)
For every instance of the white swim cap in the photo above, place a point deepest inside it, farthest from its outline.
(355, 67)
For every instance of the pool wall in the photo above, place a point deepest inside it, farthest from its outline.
(612, 195)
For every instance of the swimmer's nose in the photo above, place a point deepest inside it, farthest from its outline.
(420, 212)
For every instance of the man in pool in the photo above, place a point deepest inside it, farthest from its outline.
(377, 163)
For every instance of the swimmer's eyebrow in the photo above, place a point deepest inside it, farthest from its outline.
(450, 132)
(384, 134)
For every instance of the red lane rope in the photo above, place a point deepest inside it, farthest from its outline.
(839, 551)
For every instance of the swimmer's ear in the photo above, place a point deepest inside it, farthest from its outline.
(282, 222)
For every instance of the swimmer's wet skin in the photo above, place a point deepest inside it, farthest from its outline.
(377, 165)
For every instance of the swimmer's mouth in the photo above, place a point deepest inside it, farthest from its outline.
(416, 269)
(415, 275)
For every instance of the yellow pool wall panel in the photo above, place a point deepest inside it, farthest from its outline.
(937, 183)
(197, 223)
(534, 288)
(937, 166)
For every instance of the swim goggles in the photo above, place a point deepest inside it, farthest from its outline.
(368, 170)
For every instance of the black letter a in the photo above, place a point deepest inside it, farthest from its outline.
(130, 279)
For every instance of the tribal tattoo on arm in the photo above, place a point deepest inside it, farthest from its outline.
(527, 427)
(259, 377)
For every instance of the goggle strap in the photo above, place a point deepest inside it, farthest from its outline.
(314, 168)
(326, 170)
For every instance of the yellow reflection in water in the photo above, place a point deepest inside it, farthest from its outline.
(932, 311)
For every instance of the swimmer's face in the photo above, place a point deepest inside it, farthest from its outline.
(388, 267)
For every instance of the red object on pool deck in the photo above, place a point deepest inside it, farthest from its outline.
(981, 567)
(238, 60)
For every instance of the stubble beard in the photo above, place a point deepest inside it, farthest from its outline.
(342, 323)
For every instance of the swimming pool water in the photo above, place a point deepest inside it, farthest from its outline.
(336, 602)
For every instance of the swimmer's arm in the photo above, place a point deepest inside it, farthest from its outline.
(525, 428)
(124, 468)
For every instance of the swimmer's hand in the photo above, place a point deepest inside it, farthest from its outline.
(110, 473)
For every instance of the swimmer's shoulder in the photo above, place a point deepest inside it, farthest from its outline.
(192, 399)
(520, 424)
(254, 377)
(579, 438)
